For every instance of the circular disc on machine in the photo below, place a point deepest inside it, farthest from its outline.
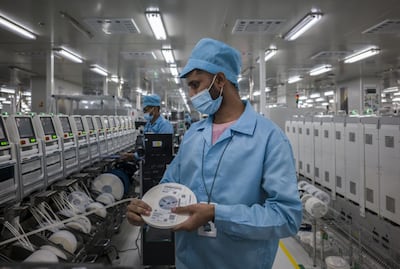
(162, 198)
(109, 183)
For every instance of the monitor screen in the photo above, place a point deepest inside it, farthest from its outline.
(25, 128)
(111, 121)
(79, 124)
(65, 124)
(99, 123)
(90, 123)
(47, 125)
(2, 132)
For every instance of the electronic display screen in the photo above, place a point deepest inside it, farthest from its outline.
(111, 121)
(99, 123)
(2, 132)
(47, 125)
(25, 128)
(79, 124)
(90, 123)
(65, 124)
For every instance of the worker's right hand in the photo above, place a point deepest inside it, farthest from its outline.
(135, 209)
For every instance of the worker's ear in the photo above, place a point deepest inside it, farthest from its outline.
(220, 80)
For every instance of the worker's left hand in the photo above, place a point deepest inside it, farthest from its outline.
(200, 214)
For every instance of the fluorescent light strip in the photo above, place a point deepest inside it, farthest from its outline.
(329, 93)
(168, 55)
(156, 24)
(315, 95)
(69, 55)
(362, 54)
(306, 23)
(294, 79)
(320, 70)
(99, 70)
(16, 28)
(174, 70)
(269, 53)
(391, 89)
(6, 90)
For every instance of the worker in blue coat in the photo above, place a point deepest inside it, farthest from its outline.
(239, 165)
(156, 123)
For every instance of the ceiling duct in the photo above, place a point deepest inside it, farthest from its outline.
(388, 26)
(111, 26)
(252, 26)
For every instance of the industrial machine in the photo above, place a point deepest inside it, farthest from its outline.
(9, 177)
(82, 137)
(308, 140)
(30, 154)
(328, 154)
(68, 143)
(340, 155)
(52, 147)
(92, 138)
(317, 132)
(109, 134)
(101, 135)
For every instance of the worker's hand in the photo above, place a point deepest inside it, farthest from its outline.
(126, 156)
(200, 214)
(135, 209)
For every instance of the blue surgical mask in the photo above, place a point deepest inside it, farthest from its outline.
(147, 116)
(204, 103)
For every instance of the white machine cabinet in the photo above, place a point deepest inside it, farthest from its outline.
(340, 155)
(308, 141)
(52, 148)
(82, 138)
(317, 133)
(301, 134)
(109, 134)
(101, 134)
(9, 177)
(119, 134)
(354, 171)
(328, 154)
(88, 123)
(370, 129)
(69, 144)
(389, 160)
(30, 156)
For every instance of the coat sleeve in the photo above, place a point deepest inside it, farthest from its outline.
(280, 214)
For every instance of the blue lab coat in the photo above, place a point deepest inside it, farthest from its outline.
(160, 126)
(255, 192)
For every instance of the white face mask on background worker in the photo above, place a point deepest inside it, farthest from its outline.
(204, 103)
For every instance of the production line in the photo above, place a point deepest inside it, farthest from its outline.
(357, 170)
(58, 188)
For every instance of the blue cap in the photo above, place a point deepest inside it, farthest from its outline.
(151, 100)
(214, 56)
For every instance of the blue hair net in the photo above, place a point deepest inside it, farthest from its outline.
(151, 100)
(214, 56)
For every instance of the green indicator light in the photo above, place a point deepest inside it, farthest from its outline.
(84, 133)
(54, 136)
(70, 134)
(32, 140)
(4, 143)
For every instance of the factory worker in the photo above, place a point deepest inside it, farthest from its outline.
(239, 165)
(156, 123)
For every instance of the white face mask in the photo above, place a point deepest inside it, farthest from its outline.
(204, 103)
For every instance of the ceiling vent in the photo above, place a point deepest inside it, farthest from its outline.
(113, 26)
(330, 55)
(385, 27)
(257, 26)
(138, 55)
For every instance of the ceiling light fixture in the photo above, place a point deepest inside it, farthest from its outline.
(269, 53)
(78, 26)
(69, 55)
(174, 70)
(153, 17)
(391, 89)
(16, 28)
(320, 70)
(99, 70)
(303, 25)
(329, 93)
(362, 54)
(294, 79)
(168, 55)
